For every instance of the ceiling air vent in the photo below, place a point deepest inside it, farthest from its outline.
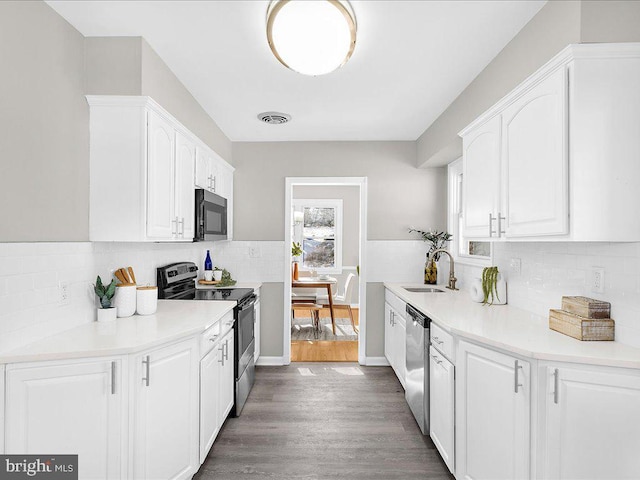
(274, 118)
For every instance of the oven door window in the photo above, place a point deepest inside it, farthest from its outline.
(245, 329)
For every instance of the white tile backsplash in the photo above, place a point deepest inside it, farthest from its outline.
(551, 270)
(30, 274)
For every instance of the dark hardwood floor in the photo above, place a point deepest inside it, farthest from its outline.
(324, 421)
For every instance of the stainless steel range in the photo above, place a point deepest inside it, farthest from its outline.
(177, 282)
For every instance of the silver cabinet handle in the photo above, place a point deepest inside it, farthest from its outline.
(436, 359)
(491, 230)
(146, 362)
(221, 349)
(174, 222)
(181, 230)
(226, 350)
(437, 340)
(500, 219)
(214, 183)
(392, 317)
(213, 339)
(556, 382)
(113, 378)
(515, 376)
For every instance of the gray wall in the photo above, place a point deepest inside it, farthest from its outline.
(555, 26)
(44, 127)
(610, 21)
(47, 68)
(399, 194)
(160, 83)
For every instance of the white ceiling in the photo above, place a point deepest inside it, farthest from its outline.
(412, 59)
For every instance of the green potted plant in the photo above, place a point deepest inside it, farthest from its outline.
(106, 311)
(494, 289)
(436, 241)
(296, 253)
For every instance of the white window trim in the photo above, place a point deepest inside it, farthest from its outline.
(454, 169)
(298, 206)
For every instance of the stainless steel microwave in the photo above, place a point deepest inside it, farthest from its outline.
(211, 216)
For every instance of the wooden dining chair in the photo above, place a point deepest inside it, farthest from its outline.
(315, 314)
(341, 301)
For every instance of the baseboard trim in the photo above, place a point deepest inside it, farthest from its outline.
(270, 361)
(376, 362)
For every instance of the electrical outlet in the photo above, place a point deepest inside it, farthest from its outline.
(597, 280)
(515, 265)
(63, 293)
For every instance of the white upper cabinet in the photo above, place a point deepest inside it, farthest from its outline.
(534, 136)
(566, 151)
(213, 173)
(161, 184)
(142, 171)
(481, 173)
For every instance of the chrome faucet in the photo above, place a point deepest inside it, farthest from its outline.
(452, 276)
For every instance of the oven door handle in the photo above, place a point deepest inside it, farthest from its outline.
(248, 304)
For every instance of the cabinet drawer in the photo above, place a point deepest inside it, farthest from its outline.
(442, 341)
(398, 305)
(226, 323)
(209, 338)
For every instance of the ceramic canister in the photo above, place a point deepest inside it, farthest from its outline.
(147, 300)
(125, 300)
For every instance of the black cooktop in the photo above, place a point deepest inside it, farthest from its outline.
(231, 294)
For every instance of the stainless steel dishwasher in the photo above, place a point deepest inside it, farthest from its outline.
(417, 363)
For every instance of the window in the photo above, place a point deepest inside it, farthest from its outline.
(465, 251)
(319, 230)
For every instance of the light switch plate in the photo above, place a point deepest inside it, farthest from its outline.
(515, 265)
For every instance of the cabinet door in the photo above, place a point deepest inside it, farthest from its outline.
(203, 169)
(441, 406)
(166, 412)
(161, 221)
(592, 424)
(185, 197)
(256, 330)
(209, 396)
(535, 159)
(227, 377)
(74, 408)
(492, 415)
(389, 344)
(1, 408)
(481, 180)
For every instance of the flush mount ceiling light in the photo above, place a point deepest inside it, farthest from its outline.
(312, 37)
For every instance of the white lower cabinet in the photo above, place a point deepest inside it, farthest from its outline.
(165, 410)
(492, 414)
(442, 406)
(591, 418)
(395, 349)
(210, 385)
(73, 407)
(226, 351)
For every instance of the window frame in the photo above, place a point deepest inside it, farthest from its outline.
(298, 205)
(454, 213)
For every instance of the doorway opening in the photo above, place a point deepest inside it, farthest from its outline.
(324, 291)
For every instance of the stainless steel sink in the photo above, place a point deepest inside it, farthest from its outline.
(423, 289)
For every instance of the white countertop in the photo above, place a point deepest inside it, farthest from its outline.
(175, 319)
(512, 329)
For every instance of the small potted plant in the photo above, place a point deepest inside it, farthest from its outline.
(296, 253)
(437, 240)
(106, 311)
